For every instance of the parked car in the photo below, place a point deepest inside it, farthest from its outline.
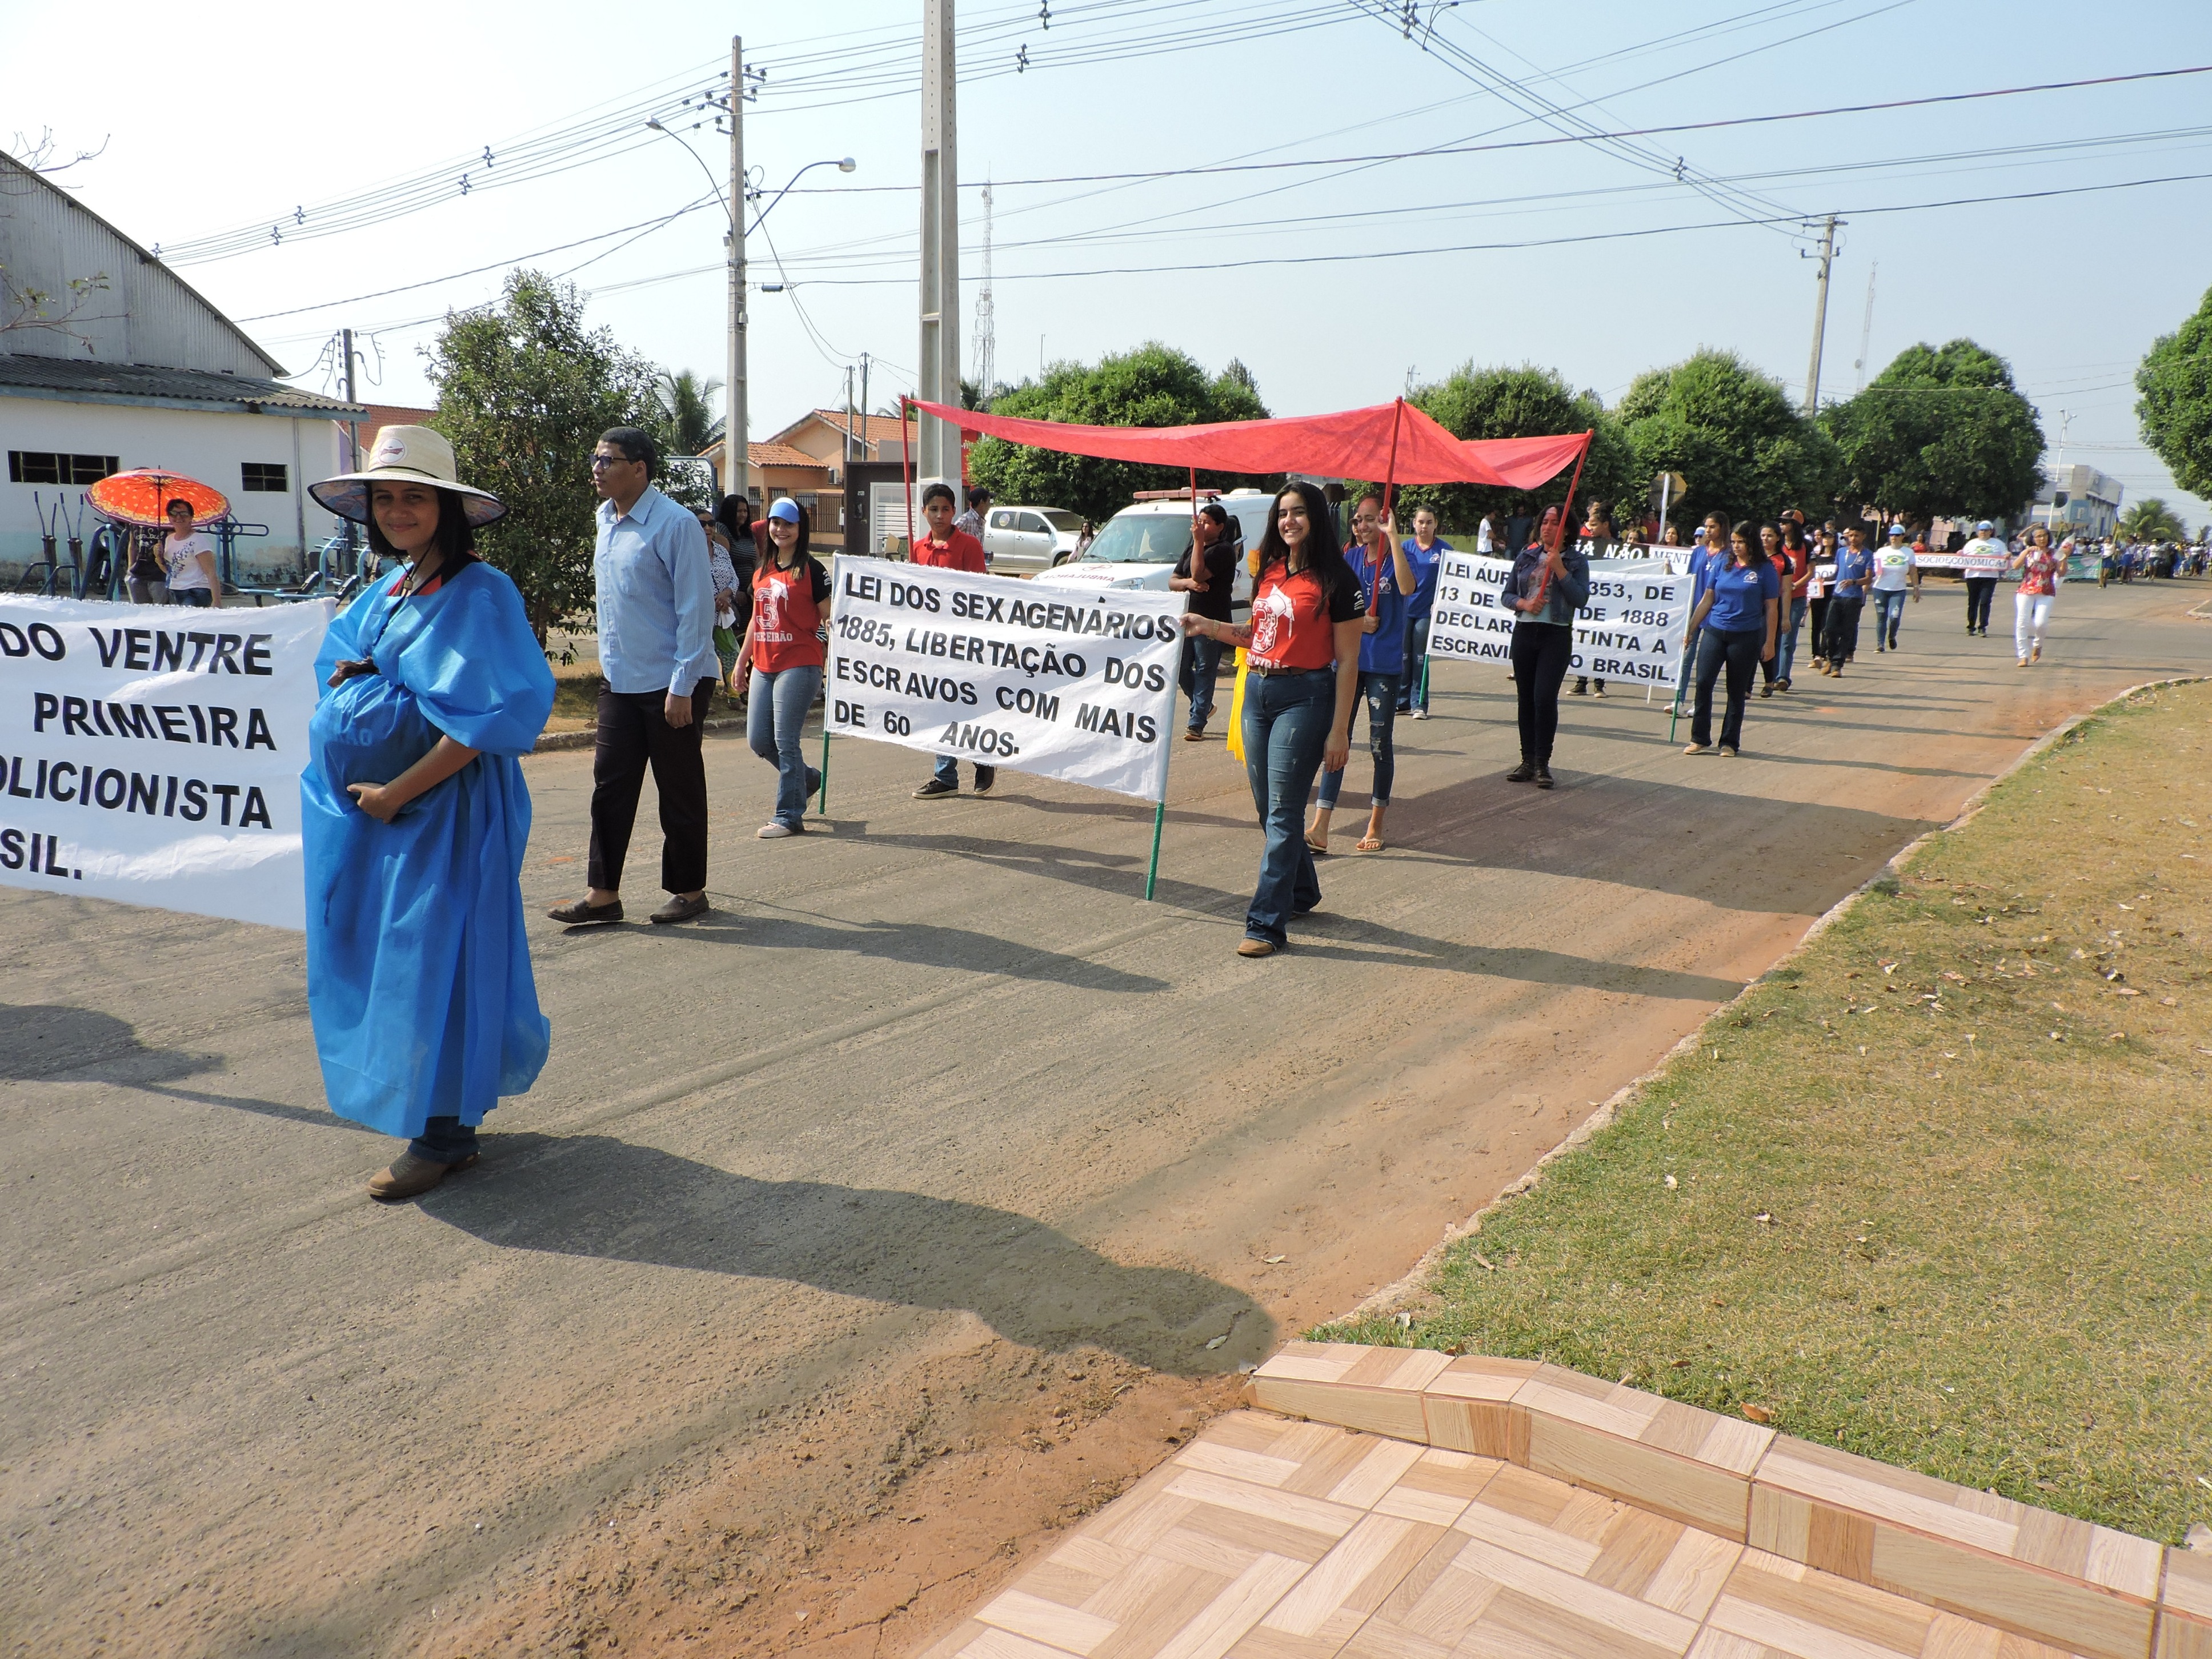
(1140, 546)
(1021, 540)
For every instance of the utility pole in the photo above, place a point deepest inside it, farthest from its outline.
(867, 449)
(737, 474)
(941, 244)
(986, 332)
(353, 427)
(1827, 257)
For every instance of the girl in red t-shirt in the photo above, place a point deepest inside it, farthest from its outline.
(783, 651)
(1302, 656)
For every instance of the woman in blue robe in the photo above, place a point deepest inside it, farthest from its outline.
(416, 818)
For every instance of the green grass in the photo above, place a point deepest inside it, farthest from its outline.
(1939, 1189)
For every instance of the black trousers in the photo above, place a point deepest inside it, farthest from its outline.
(1842, 641)
(634, 733)
(1979, 591)
(1540, 654)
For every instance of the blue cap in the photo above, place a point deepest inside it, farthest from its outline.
(1985, 525)
(1699, 534)
(1899, 530)
(786, 509)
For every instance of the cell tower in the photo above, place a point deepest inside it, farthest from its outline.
(1866, 328)
(987, 335)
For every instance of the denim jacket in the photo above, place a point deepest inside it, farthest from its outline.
(1566, 595)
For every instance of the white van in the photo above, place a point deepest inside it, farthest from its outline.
(1139, 545)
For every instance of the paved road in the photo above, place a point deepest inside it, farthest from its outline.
(936, 1149)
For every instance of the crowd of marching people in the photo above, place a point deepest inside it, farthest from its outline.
(417, 817)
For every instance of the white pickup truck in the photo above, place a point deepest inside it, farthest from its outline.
(1140, 545)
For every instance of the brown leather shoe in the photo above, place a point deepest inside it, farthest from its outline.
(411, 1176)
(681, 909)
(1256, 947)
(582, 913)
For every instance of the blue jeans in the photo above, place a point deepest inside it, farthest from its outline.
(1413, 683)
(1689, 663)
(1889, 611)
(1785, 648)
(1201, 661)
(1737, 651)
(445, 1140)
(1380, 691)
(201, 597)
(775, 723)
(1286, 723)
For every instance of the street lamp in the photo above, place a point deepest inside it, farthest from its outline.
(737, 459)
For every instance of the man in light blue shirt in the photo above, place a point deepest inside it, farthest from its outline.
(658, 669)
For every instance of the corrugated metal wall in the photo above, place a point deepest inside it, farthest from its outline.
(146, 315)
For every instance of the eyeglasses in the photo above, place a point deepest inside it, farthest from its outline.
(601, 462)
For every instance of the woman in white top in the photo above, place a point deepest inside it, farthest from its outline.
(189, 558)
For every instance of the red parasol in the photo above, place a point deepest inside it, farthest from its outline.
(143, 496)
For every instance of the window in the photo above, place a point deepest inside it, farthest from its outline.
(33, 466)
(1002, 519)
(267, 475)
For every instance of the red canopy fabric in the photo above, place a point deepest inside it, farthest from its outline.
(1394, 443)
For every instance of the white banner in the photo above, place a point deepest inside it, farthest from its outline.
(1631, 629)
(1979, 564)
(1070, 683)
(153, 754)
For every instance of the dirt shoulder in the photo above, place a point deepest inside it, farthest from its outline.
(1939, 1189)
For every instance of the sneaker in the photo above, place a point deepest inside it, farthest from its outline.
(1782, 684)
(1193, 734)
(813, 783)
(775, 831)
(1523, 773)
(1728, 752)
(1582, 689)
(1420, 714)
(1697, 748)
(1879, 648)
(2023, 662)
(1598, 690)
(934, 788)
(985, 777)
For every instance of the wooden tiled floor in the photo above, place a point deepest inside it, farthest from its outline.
(1267, 1538)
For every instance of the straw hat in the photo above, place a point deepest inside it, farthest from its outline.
(406, 454)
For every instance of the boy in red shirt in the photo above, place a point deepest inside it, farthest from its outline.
(951, 550)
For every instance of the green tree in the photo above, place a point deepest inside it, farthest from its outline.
(1527, 401)
(687, 422)
(2151, 519)
(1943, 432)
(1740, 443)
(1153, 385)
(524, 391)
(2175, 409)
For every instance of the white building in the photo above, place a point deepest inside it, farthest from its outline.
(140, 371)
(2091, 506)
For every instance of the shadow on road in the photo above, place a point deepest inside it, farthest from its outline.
(1351, 940)
(925, 944)
(53, 1042)
(593, 1195)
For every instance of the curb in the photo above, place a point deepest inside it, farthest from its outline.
(1417, 1277)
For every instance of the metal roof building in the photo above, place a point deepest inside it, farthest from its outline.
(132, 366)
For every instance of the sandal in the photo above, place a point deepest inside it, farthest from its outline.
(1318, 848)
(1368, 844)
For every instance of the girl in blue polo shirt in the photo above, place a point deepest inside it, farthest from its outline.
(1846, 598)
(1734, 623)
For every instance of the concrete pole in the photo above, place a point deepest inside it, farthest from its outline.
(737, 477)
(1821, 319)
(940, 367)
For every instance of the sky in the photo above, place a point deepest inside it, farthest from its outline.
(1334, 259)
